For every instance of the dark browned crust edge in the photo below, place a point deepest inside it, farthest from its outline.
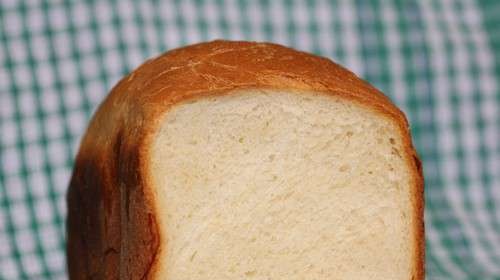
(112, 229)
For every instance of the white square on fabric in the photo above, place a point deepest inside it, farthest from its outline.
(30, 129)
(39, 185)
(8, 130)
(11, 160)
(53, 126)
(15, 26)
(31, 262)
(20, 214)
(44, 210)
(50, 237)
(50, 101)
(57, 152)
(61, 181)
(45, 78)
(58, 18)
(8, 267)
(25, 240)
(55, 260)
(35, 21)
(15, 189)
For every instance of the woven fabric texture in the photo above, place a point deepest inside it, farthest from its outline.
(437, 60)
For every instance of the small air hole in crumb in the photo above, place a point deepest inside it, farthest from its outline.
(193, 255)
(241, 140)
(395, 152)
(370, 172)
(349, 133)
(271, 157)
(246, 151)
(344, 168)
(392, 141)
(250, 273)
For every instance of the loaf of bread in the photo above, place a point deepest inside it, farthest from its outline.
(242, 160)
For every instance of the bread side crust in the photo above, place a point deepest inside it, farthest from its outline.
(112, 228)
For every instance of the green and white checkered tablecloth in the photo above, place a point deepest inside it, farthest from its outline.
(438, 60)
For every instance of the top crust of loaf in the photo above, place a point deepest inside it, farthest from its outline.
(112, 228)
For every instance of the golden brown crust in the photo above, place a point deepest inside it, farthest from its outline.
(112, 229)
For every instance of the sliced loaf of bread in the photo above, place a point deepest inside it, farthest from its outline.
(240, 160)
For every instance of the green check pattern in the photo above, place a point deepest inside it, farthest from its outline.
(437, 60)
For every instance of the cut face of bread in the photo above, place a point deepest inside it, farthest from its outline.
(277, 184)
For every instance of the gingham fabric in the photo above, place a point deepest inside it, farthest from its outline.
(437, 60)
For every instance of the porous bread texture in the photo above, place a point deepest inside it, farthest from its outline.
(117, 223)
(277, 184)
